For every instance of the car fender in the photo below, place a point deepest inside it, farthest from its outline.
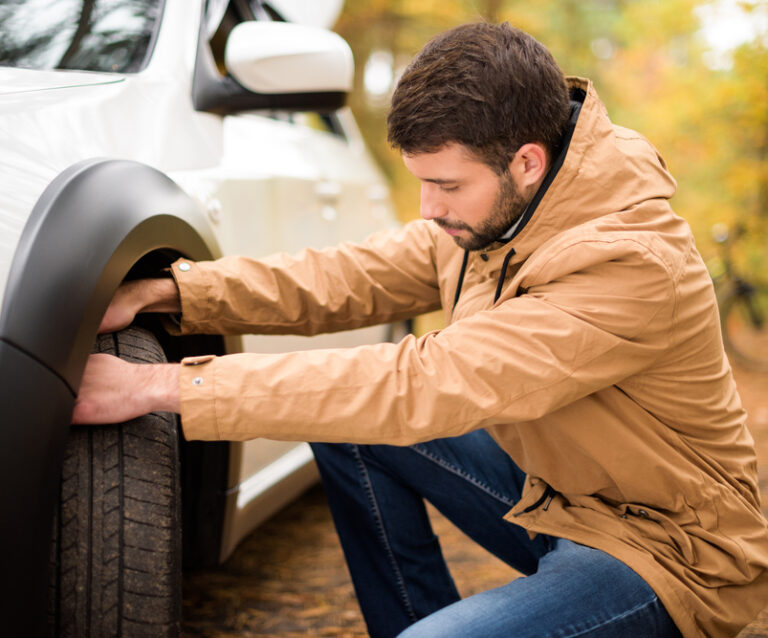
(91, 225)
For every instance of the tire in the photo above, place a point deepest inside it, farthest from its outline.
(744, 322)
(116, 543)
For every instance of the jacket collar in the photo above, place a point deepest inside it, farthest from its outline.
(594, 173)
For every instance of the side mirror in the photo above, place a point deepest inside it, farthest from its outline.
(284, 58)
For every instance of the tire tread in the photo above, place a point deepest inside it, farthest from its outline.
(116, 548)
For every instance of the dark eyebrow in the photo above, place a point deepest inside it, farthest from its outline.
(440, 181)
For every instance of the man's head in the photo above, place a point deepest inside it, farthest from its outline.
(478, 114)
(491, 88)
(466, 198)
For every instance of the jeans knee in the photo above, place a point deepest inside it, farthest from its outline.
(429, 628)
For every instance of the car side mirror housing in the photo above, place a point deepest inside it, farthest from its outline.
(281, 57)
(274, 66)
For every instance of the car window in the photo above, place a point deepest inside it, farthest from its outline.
(90, 35)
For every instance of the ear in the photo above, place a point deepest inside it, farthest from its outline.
(529, 165)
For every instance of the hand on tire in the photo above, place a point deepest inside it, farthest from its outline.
(114, 391)
(116, 549)
(141, 295)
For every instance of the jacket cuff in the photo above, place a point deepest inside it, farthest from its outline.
(193, 286)
(197, 393)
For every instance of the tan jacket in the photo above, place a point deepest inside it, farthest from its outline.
(600, 370)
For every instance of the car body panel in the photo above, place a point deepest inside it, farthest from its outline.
(247, 183)
(109, 213)
(14, 81)
(37, 449)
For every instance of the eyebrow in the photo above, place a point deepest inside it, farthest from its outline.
(435, 180)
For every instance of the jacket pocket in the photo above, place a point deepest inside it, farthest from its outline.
(662, 528)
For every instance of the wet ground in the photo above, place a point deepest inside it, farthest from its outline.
(288, 578)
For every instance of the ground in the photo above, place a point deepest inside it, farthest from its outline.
(288, 578)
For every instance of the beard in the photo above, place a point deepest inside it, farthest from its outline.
(508, 207)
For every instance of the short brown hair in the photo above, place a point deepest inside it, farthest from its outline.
(489, 87)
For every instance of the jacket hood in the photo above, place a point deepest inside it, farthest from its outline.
(603, 168)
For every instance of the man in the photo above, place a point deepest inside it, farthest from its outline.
(577, 416)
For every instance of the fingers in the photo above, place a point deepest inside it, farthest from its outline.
(122, 309)
(105, 394)
(141, 295)
(116, 319)
(114, 391)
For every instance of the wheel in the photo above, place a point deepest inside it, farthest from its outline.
(744, 320)
(116, 543)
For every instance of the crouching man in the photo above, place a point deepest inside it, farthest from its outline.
(577, 416)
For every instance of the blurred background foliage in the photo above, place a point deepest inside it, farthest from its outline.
(692, 76)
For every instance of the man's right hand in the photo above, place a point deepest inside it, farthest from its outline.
(141, 295)
(113, 390)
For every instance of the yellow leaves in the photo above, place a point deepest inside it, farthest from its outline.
(656, 23)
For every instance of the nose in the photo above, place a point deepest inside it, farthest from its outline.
(430, 205)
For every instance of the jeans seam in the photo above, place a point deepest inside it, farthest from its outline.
(368, 487)
(463, 474)
(625, 614)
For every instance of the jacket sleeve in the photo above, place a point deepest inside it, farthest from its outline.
(390, 276)
(518, 361)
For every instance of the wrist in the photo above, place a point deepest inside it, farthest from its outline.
(158, 295)
(161, 387)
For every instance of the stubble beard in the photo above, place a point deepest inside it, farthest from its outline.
(507, 208)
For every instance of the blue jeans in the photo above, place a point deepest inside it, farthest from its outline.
(376, 494)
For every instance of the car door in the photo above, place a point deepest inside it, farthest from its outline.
(285, 180)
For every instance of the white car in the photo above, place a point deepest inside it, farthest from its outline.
(133, 132)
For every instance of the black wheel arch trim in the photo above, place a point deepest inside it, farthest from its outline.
(89, 227)
(93, 225)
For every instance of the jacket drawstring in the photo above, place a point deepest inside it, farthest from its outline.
(545, 499)
(499, 286)
(461, 279)
(503, 274)
(577, 99)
